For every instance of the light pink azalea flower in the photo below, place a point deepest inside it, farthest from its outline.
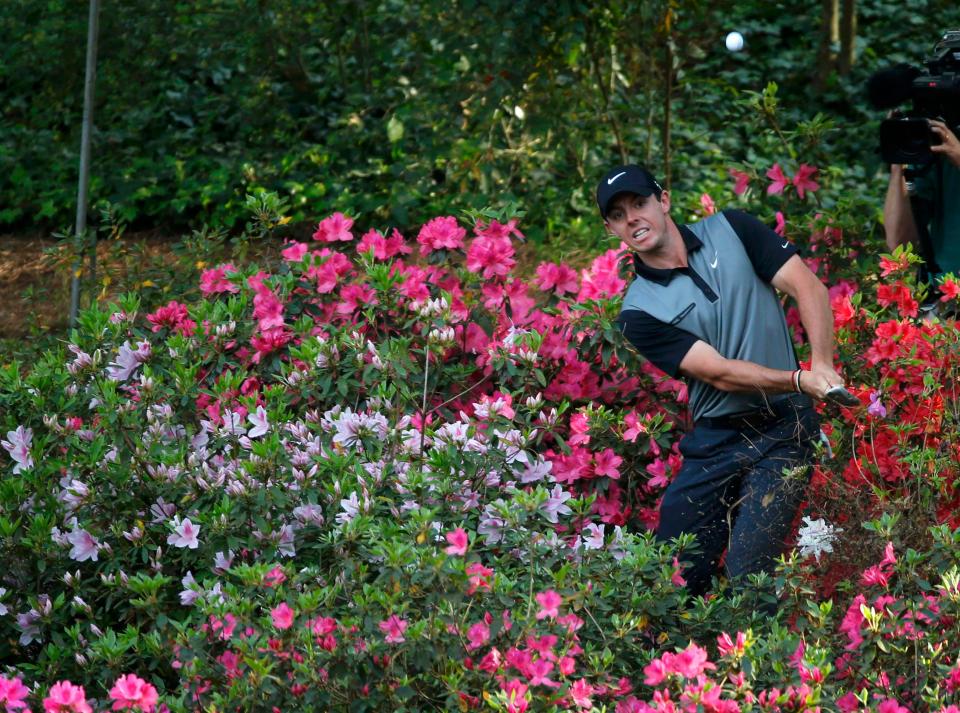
(128, 360)
(133, 693)
(260, 423)
(458, 542)
(184, 534)
(394, 627)
(85, 546)
(18, 446)
(64, 697)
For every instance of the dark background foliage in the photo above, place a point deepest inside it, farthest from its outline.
(395, 110)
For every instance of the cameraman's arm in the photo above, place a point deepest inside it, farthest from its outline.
(898, 225)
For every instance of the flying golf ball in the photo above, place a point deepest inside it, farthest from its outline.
(734, 41)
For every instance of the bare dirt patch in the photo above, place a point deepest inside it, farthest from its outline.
(35, 279)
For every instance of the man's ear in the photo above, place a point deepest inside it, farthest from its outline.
(665, 201)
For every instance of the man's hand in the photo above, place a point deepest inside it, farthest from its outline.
(949, 144)
(818, 381)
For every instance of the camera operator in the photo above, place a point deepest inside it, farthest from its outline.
(922, 205)
(932, 204)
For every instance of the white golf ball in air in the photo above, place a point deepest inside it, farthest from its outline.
(734, 41)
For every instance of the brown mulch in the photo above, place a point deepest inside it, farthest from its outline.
(35, 281)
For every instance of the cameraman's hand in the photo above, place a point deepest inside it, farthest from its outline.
(949, 144)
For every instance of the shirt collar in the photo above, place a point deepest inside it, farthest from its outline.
(663, 275)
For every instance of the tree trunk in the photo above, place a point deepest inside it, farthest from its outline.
(848, 36)
(829, 36)
(667, 96)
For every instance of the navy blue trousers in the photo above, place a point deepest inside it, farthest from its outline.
(739, 490)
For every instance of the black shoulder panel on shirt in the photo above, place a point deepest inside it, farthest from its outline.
(767, 251)
(660, 343)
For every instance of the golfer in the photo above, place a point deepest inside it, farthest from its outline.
(704, 306)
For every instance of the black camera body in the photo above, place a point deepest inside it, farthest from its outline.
(934, 93)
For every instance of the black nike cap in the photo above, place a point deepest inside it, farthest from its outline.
(625, 179)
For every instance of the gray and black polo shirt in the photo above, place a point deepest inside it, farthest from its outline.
(723, 297)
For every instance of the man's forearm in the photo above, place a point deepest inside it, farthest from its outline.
(816, 315)
(898, 225)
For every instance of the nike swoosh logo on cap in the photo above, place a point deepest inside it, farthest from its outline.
(785, 244)
(611, 180)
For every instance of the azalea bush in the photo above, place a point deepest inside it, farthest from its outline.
(390, 471)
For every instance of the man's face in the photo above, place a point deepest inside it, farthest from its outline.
(640, 221)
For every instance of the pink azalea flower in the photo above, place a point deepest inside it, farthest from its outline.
(64, 697)
(559, 278)
(779, 181)
(443, 233)
(259, 422)
(781, 228)
(549, 602)
(133, 693)
(478, 577)
(803, 180)
(656, 672)
(478, 635)
(691, 662)
(490, 256)
(13, 693)
(18, 446)
(383, 248)
(891, 706)
(634, 427)
(394, 627)
(184, 534)
(294, 252)
(540, 672)
(334, 228)
(579, 429)
(706, 202)
(214, 280)
(173, 316)
(602, 278)
(677, 577)
(267, 309)
(742, 181)
(580, 692)
(607, 463)
(727, 646)
(354, 297)
(458, 542)
(282, 616)
(275, 577)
